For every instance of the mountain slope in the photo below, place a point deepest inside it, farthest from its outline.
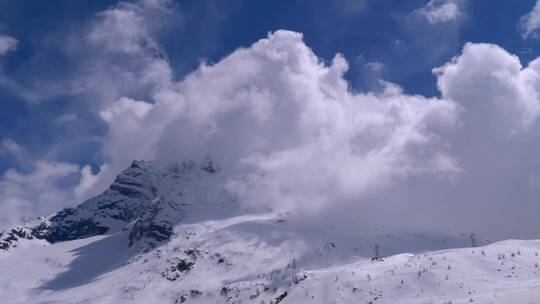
(171, 234)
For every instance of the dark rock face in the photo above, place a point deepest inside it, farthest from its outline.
(154, 225)
(66, 226)
(151, 231)
(280, 297)
(10, 238)
(177, 269)
(209, 166)
(132, 198)
(184, 266)
(74, 230)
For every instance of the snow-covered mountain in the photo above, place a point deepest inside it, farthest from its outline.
(147, 199)
(171, 233)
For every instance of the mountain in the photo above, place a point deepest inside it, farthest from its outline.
(172, 233)
(148, 199)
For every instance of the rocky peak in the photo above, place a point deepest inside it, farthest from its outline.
(148, 197)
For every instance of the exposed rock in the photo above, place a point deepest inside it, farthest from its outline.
(139, 195)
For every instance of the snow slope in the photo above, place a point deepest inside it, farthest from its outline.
(171, 234)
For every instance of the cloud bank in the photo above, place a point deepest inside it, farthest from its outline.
(291, 134)
(275, 109)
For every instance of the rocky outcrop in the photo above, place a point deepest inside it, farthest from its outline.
(139, 199)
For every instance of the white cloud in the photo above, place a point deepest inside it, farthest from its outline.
(90, 184)
(7, 44)
(38, 192)
(276, 111)
(116, 54)
(292, 135)
(441, 11)
(67, 119)
(530, 23)
(127, 116)
(491, 84)
(40, 187)
(123, 29)
(125, 57)
(8, 147)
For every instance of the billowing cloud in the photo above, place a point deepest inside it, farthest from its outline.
(287, 127)
(7, 44)
(441, 11)
(290, 134)
(492, 85)
(303, 119)
(530, 23)
(91, 184)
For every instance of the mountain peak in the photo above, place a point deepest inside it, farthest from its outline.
(148, 197)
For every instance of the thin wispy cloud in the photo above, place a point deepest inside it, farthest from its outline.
(529, 24)
(7, 44)
(442, 11)
(40, 187)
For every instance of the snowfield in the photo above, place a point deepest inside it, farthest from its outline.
(249, 259)
(216, 252)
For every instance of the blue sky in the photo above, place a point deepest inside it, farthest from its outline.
(75, 60)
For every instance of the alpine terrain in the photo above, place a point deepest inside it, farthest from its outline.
(172, 233)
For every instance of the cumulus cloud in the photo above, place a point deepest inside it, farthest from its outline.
(530, 23)
(441, 11)
(492, 84)
(7, 44)
(287, 127)
(290, 134)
